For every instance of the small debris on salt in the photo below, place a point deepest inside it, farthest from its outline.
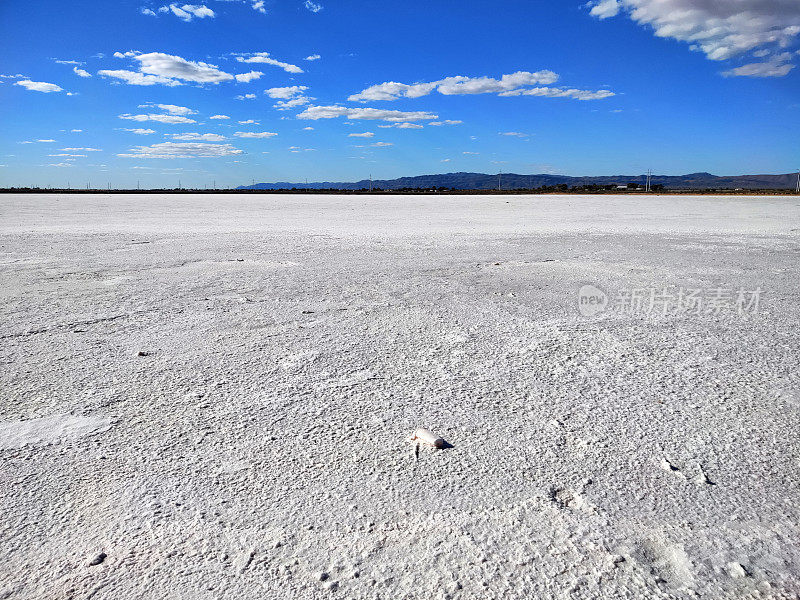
(424, 436)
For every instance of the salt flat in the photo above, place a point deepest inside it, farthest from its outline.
(208, 397)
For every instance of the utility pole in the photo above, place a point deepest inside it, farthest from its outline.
(137, 184)
(649, 175)
(797, 188)
(215, 184)
(370, 182)
(499, 185)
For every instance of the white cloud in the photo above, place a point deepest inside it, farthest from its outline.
(66, 154)
(721, 29)
(248, 122)
(39, 86)
(198, 137)
(187, 12)
(264, 58)
(293, 103)
(246, 97)
(459, 84)
(172, 109)
(445, 160)
(175, 67)
(285, 93)
(81, 72)
(308, 129)
(604, 9)
(408, 126)
(290, 97)
(468, 152)
(170, 70)
(80, 149)
(140, 131)
(513, 134)
(550, 92)
(381, 144)
(512, 84)
(76, 130)
(135, 78)
(776, 66)
(332, 112)
(248, 77)
(445, 122)
(391, 90)
(219, 117)
(171, 119)
(366, 134)
(147, 11)
(488, 85)
(259, 6)
(312, 6)
(181, 150)
(69, 62)
(312, 57)
(255, 134)
(62, 164)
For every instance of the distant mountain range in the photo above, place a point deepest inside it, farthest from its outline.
(512, 181)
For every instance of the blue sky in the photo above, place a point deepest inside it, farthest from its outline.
(125, 91)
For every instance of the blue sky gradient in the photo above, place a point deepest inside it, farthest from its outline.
(656, 101)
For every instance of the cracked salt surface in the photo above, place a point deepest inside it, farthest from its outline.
(258, 448)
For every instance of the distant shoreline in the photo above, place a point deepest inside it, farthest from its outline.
(413, 192)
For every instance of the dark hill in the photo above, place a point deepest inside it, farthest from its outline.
(511, 181)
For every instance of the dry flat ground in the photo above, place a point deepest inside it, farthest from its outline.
(207, 397)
